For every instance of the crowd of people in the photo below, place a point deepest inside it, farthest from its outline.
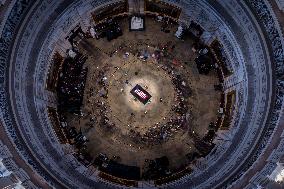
(71, 84)
(159, 133)
(156, 168)
(204, 61)
(109, 29)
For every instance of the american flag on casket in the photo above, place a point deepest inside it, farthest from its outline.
(141, 94)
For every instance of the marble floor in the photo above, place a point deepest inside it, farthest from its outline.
(122, 69)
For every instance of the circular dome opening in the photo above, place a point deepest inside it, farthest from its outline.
(146, 109)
